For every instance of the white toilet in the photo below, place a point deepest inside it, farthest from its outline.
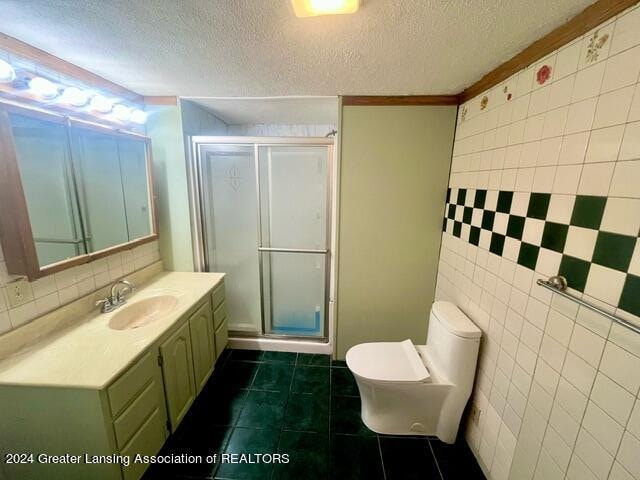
(411, 389)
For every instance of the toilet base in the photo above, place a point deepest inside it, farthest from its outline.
(430, 410)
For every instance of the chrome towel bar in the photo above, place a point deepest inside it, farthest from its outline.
(558, 284)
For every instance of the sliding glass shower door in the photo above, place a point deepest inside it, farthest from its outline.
(265, 211)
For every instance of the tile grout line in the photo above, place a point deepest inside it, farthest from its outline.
(384, 471)
(435, 458)
(286, 405)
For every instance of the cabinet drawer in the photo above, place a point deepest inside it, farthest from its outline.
(137, 413)
(148, 440)
(129, 384)
(220, 314)
(217, 296)
(222, 337)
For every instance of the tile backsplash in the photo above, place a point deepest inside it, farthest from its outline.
(55, 290)
(545, 179)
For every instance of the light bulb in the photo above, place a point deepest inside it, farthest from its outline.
(139, 116)
(74, 96)
(122, 112)
(101, 104)
(43, 88)
(7, 73)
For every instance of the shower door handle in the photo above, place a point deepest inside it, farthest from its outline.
(293, 250)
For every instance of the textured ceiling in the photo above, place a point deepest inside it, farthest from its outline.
(279, 110)
(258, 48)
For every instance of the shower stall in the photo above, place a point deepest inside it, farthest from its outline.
(262, 209)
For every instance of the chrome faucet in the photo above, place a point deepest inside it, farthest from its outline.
(117, 297)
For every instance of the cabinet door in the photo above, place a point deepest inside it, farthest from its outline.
(177, 370)
(202, 345)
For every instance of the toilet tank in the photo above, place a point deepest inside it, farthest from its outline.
(452, 343)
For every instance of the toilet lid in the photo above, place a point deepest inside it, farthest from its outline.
(387, 362)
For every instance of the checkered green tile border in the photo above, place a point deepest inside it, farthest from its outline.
(536, 228)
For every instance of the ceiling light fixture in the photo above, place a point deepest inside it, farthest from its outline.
(7, 73)
(313, 8)
(74, 96)
(101, 104)
(139, 117)
(122, 112)
(43, 88)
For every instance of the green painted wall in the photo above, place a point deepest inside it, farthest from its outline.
(164, 126)
(394, 171)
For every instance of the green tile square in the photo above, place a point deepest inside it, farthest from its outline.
(528, 255)
(263, 410)
(308, 456)
(554, 236)
(480, 199)
(346, 448)
(504, 202)
(515, 227)
(307, 412)
(314, 359)
(280, 357)
(538, 205)
(630, 299)
(343, 382)
(273, 376)
(452, 212)
(448, 197)
(310, 379)
(249, 440)
(575, 270)
(237, 374)
(462, 196)
(474, 235)
(467, 214)
(614, 250)
(487, 220)
(497, 243)
(588, 211)
(457, 228)
(346, 418)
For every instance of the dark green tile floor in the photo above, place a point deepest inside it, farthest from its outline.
(305, 406)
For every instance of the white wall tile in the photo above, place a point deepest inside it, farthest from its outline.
(604, 429)
(612, 398)
(622, 367)
(626, 178)
(630, 147)
(567, 179)
(627, 32)
(596, 458)
(596, 179)
(588, 82)
(574, 148)
(613, 108)
(604, 144)
(628, 454)
(621, 215)
(622, 70)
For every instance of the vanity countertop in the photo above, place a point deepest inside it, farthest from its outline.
(89, 354)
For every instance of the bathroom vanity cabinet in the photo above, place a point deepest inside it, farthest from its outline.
(60, 432)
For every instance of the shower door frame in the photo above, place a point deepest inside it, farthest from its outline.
(198, 220)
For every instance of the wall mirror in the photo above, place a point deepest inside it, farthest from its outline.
(70, 191)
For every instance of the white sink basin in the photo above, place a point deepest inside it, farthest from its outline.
(143, 312)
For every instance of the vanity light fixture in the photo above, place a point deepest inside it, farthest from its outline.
(75, 97)
(122, 112)
(314, 8)
(7, 73)
(139, 116)
(43, 88)
(101, 104)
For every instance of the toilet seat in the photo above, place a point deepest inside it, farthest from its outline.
(389, 362)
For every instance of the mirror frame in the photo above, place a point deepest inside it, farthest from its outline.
(16, 235)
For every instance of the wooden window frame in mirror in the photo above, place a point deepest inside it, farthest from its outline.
(16, 235)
